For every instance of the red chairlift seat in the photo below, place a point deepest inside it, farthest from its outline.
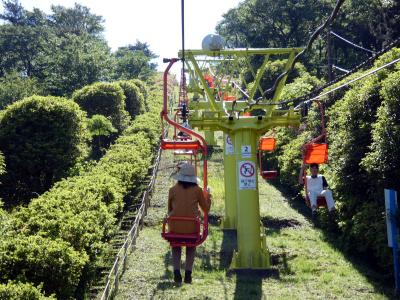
(267, 175)
(186, 239)
(267, 144)
(180, 145)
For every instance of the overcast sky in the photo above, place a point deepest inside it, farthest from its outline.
(156, 22)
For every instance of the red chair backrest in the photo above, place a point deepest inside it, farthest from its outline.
(267, 144)
(316, 153)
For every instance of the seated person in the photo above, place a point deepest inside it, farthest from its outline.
(184, 199)
(317, 186)
(183, 134)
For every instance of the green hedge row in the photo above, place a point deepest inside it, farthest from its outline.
(364, 140)
(18, 291)
(41, 138)
(58, 239)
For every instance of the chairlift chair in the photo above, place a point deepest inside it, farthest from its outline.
(266, 144)
(316, 152)
(194, 144)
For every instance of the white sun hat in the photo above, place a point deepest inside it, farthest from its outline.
(186, 172)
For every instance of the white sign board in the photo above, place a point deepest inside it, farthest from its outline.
(246, 151)
(229, 149)
(247, 175)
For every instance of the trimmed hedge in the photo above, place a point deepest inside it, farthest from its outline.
(142, 86)
(17, 291)
(364, 141)
(134, 99)
(59, 238)
(41, 138)
(105, 99)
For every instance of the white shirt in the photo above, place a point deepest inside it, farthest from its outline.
(315, 184)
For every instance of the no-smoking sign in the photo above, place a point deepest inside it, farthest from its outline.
(247, 175)
(247, 170)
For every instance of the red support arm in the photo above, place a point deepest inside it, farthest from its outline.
(164, 115)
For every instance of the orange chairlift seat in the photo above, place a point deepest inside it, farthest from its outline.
(195, 146)
(266, 144)
(316, 152)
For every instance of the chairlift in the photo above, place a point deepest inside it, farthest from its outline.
(316, 152)
(266, 144)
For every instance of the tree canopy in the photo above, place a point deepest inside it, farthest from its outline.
(65, 49)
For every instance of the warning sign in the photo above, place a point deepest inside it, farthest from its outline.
(247, 175)
(246, 151)
(229, 149)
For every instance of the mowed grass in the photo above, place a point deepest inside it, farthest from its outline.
(304, 264)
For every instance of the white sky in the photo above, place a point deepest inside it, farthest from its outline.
(156, 22)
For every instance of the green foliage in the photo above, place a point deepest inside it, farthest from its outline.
(77, 61)
(99, 125)
(37, 259)
(363, 135)
(41, 138)
(142, 86)
(14, 87)
(77, 20)
(134, 61)
(300, 86)
(63, 51)
(102, 133)
(383, 159)
(21, 291)
(134, 99)
(284, 23)
(66, 230)
(105, 99)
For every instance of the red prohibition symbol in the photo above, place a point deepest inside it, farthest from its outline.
(247, 170)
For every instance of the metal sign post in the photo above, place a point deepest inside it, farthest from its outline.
(392, 231)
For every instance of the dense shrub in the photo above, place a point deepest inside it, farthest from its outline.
(142, 86)
(102, 131)
(37, 259)
(21, 291)
(41, 138)
(364, 138)
(383, 160)
(134, 99)
(105, 99)
(66, 230)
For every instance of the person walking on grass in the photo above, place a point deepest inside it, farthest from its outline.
(317, 186)
(184, 199)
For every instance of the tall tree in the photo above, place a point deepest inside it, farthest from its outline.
(77, 20)
(134, 61)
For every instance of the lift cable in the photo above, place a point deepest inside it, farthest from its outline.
(341, 69)
(317, 32)
(183, 34)
(364, 64)
(315, 98)
(351, 43)
(349, 82)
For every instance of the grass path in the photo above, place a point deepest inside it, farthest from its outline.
(304, 264)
